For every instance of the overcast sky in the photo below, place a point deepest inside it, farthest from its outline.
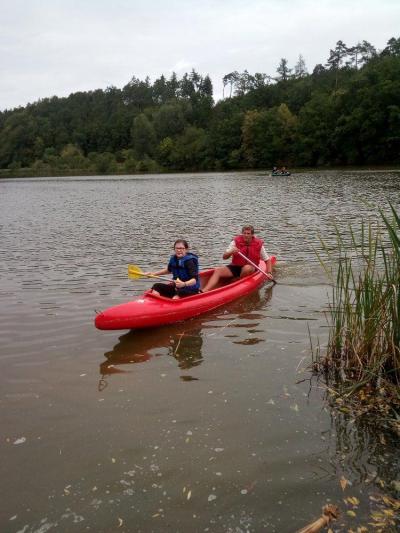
(56, 47)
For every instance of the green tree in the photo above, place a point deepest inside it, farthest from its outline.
(189, 149)
(206, 87)
(316, 122)
(71, 157)
(103, 163)
(268, 137)
(169, 119)
(143, 136)
(138, 93)
(187, 88)
(336, 58)
(393, 47)
(165, 153)
(230, 79)
(300, 69)
(283, 70)
(160, 91)
(172, 86)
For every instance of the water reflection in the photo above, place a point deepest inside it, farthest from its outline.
(364, 452)
(184, 341)
(181, 341)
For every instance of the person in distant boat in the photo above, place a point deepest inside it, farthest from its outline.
(250, 246)
(184, 267)
(275, 169)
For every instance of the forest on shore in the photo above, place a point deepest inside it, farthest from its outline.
(345, 112)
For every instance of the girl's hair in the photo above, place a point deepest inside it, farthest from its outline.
(182, 241)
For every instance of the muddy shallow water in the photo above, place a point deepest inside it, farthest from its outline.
(207, 425)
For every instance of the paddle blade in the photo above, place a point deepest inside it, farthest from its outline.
(134, 272)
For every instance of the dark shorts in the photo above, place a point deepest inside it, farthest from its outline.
(235, 269)
(169, 290)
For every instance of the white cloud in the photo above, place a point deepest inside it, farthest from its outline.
(59, 46)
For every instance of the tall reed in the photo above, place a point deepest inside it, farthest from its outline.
(364, 309)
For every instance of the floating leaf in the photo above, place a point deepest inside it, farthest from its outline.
(351, 513)
(391, 501)
(343, 482)
(353, 500)
(389, 512)
(396, 485)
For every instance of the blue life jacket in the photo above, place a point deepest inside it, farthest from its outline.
(177, 267)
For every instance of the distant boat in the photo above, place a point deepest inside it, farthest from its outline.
(280, 173)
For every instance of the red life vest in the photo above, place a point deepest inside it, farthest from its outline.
(252, 250)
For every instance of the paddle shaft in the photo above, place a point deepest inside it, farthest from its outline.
(268, 276)
(158, 277)
(138, 272)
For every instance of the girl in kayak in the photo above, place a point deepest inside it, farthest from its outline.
(184, 267)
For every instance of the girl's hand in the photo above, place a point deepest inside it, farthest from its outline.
(179, 283)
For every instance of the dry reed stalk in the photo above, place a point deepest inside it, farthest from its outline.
(329, 512)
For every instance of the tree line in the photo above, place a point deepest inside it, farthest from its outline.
(345, 112)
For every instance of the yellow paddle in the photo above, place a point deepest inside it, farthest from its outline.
(135, 272)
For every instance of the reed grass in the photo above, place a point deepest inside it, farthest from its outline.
(363, 348)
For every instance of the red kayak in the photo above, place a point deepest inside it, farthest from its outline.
(150, 311)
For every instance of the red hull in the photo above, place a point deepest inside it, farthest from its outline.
(149, 311)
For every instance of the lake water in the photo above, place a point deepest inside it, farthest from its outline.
(207, 425)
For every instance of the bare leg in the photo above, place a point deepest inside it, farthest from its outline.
(246, 271)
(219, 273)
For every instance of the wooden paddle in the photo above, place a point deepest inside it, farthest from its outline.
(268, 276)
(135, 272)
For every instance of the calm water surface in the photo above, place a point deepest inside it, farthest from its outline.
(207, 425)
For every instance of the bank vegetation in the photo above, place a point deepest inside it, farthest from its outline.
(345, 112)
(362, 360)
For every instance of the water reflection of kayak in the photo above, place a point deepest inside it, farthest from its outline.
(151, 311)
(184, 344)
(183, 341)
